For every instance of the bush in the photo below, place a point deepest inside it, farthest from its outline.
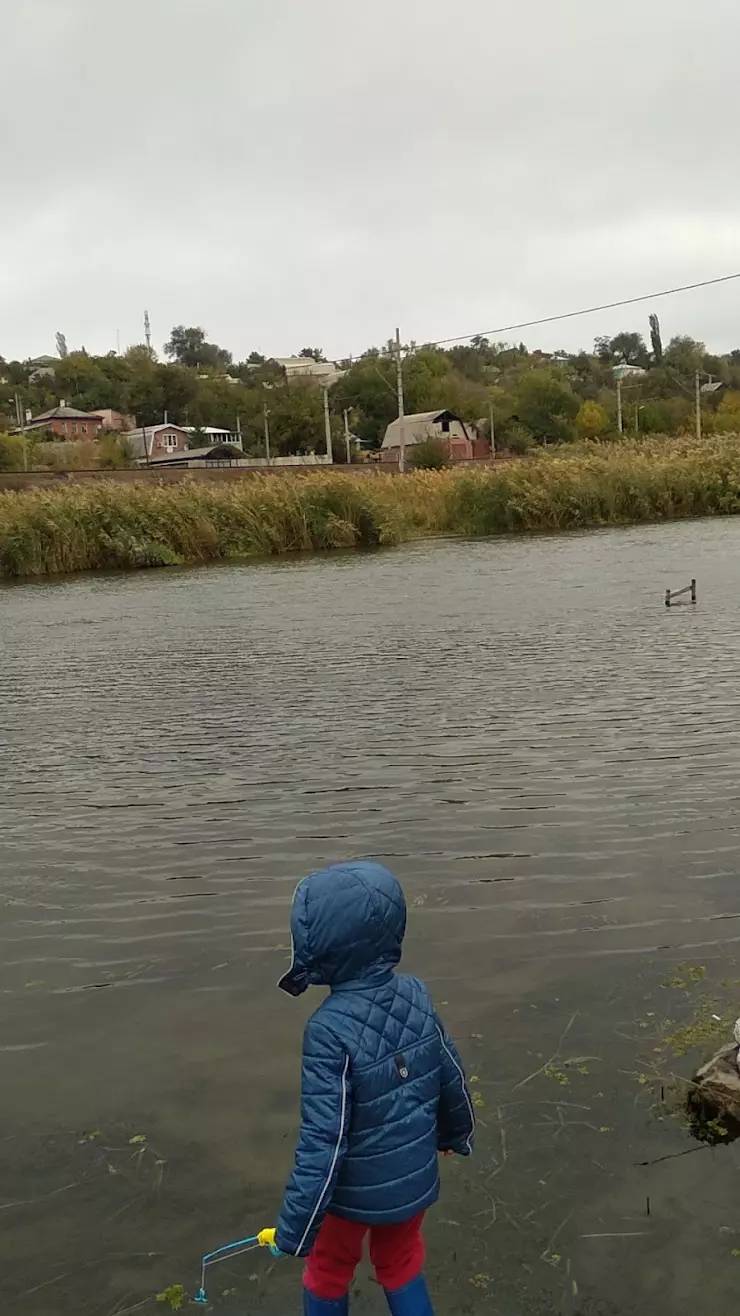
(519, 440)
(12, 457)
(430, 455)
(113, 454)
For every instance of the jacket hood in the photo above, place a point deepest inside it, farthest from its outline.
(347, 925)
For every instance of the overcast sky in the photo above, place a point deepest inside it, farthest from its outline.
(292, 172)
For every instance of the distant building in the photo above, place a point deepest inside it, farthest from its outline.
(211, 434)
(424, 425)
(297, 367)
(41, 367)
(65, 422)
(116, 420)
(626, 371)
(161, 440)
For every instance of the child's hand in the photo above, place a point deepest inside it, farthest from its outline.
(266, 1238)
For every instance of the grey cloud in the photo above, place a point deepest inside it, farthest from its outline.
(285, 172)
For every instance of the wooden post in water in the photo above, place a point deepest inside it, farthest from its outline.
(672, 594)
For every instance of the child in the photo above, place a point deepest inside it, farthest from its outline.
(383, 1092)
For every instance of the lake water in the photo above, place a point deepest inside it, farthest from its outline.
(550, 761)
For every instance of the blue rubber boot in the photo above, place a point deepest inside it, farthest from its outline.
(313, 1306)
(412, 1300)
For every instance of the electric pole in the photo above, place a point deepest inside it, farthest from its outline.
(21, 418)
(399, 387)
(697, 386)
(493, 432)
(148, 333)
(267, 434)
(346, 437)
(620, 425)
(327, 426)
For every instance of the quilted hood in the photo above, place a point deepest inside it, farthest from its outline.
(347, 926)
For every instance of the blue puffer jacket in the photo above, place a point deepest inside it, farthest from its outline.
(383, 1089)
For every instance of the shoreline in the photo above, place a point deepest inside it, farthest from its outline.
(107, 525)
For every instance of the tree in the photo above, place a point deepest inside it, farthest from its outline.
(727, 419)
(546, 406)
(62, 348)
(625, 348)
(313, 353)
(592, 421)
(685, 355)
(630, 349)
(190, 347)
(655, 339)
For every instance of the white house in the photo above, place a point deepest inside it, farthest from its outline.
(212, 435)
(297, 367)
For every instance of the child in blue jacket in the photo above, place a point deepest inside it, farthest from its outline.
(383, 1093)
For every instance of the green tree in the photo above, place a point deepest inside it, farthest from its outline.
(190, 347)
(685, 355)
(62, 348)
(656, 339)
(313, 353)
(547, 406)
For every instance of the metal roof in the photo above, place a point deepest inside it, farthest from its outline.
(66, 413)
(413, 426)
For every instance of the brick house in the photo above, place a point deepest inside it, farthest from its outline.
(155, 441)
(65, 422)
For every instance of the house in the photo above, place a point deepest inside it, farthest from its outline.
(429, 425)
(626, 371)
(304, 367)
(161, 440)
(65, 422)
(211, 434)
(41, 367)
(116, 421)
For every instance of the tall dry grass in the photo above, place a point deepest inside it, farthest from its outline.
(83, 527)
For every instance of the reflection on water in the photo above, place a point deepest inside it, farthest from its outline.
(549, 760)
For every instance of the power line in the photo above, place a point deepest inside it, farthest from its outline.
(588, 310)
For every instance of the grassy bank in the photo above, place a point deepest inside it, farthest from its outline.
(84, 527)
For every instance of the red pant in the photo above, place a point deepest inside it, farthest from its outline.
(396, 1252)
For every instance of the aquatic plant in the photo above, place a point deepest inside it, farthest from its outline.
(81, 527)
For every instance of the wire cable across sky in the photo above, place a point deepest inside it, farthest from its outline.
(587, 310)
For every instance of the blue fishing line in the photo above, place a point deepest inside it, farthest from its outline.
(224, 1254)
(221, 1254)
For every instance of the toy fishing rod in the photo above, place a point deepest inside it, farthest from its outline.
(265, 1238)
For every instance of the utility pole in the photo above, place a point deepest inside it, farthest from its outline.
(267, 434)
(620, 424)
(239, 432)
(147, 333)
(346, 437)
(493, 432)
(697, 386)
(21, 418)
(146, 448)
(327, 426)
(399, 387)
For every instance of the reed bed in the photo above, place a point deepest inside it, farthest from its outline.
(98, 526)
